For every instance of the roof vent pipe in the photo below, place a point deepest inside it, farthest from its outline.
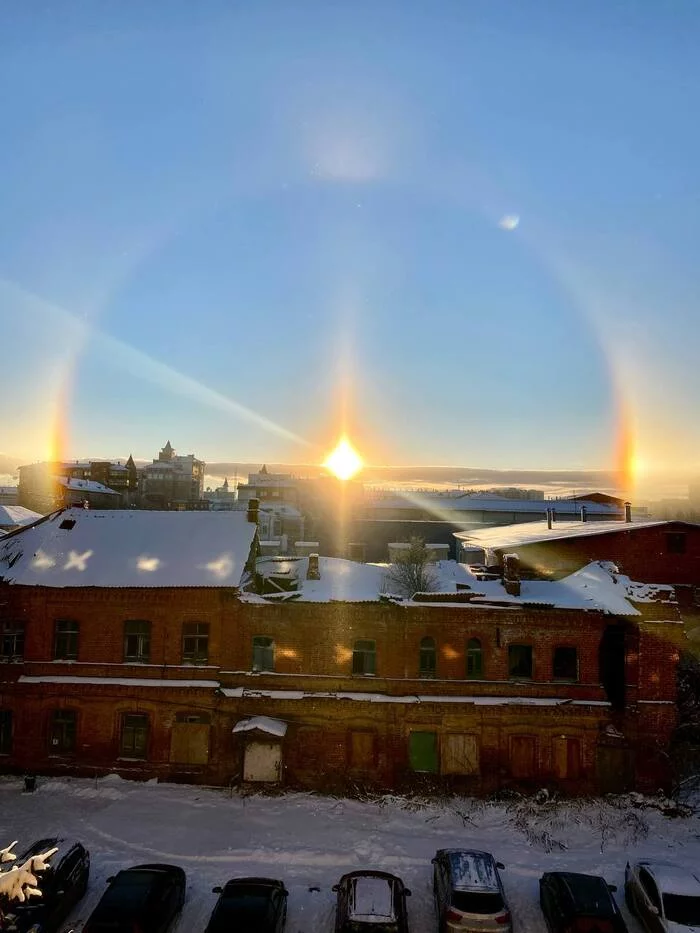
(549, 518)
(628, 512)
(584, 516)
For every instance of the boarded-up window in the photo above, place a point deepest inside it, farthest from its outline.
(362, 750)
(522, 756)
(566, 755)
(460, 754)
(422, 752)
(189, 740)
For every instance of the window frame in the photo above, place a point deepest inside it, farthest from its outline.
(515, 675)
(364, 657)
(427, 652)
(263, 660)
(12, 632)
(70, 635)
(141, 655)
(64, 721)
(565, 678)
(132, 752)
(198, 634)
(475, 652)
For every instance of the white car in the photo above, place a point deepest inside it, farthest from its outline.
(665, 897)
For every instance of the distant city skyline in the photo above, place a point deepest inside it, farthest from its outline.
(457, 236)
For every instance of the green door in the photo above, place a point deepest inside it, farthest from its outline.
(422, 751)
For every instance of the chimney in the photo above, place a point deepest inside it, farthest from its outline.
(313, 573)
(628, 512)
(511, 574)
(253, 511)
(584, 516)
(549, 518)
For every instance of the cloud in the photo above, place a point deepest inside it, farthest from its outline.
(509, 222)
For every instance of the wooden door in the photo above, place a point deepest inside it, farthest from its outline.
(522, 756)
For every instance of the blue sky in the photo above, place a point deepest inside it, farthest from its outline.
(295, 207)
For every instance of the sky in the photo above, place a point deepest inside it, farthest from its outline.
(461, 233)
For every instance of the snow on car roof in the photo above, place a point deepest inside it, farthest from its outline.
(673, 879)
(472, 870)
(371, 898)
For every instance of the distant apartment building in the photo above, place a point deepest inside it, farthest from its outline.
(9, 495)
(173, 482)
(104, 484)
(221, 499)
(270, 487)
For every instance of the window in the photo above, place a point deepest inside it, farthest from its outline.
(62, 732)
(565, 663)
(5, 731)
(263, 653)
(428, 658)
(364, 657)
(475, 659)
(65, 647)
(195, 642)
(675, 542)
(137, 641)
(519, 661)
(134, 735)
(11, 641)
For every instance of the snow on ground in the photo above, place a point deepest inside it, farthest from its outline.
(310, 841)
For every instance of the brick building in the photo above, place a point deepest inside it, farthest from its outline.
(118, 666)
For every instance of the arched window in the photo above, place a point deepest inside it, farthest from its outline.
(427, 664)
(475, 659)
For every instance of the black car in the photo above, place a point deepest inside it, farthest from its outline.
(578, 903)
(249, 905)
(371, 902)
(143, 899)
(62, 884)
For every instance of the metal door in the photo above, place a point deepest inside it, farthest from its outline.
(262, 762)
(423, 752)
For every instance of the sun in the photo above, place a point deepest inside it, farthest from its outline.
(344, 461)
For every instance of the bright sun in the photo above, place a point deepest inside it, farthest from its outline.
(344, 461)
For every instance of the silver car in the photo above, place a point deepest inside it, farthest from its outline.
(468, 892)
(665, 897)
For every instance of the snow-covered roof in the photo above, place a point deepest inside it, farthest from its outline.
(477, 502)
(510, 536)
(86, 485)
(598, 586)
(12, 516)
(262, 724)
(83, 547)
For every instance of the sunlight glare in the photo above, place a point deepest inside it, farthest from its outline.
(344, 461)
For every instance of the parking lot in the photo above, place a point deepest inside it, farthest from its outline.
(310, 841)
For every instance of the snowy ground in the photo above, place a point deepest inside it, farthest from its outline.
(309, 841)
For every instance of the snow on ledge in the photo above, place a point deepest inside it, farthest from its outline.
(118, 681)
(250, 693)
(263, 724)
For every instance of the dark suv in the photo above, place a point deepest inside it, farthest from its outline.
(62, 884)
(469, 893)
(143, 899)
(249, 905)
(579, 904)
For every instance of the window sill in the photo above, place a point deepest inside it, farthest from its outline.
(125, 758)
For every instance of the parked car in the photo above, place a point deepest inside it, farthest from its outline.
(469, 892)
(62, 884)
(576, 903)
(371, 902)
(249, 905)
(143, 899)
(665, 897)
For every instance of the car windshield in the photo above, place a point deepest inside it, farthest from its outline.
(244, 913)
(477, 902)
(682, 909)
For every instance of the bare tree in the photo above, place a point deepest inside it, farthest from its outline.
(411, 571)
(20, 882)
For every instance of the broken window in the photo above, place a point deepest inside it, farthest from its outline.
(428, 657)
(66, 634)
(137, 641)
(475, 659)
(565, 663)
(263, 653)
(364, 657)
(520, 661)
(11, 641)
(195, 642)
(62, 732)
(133, 741)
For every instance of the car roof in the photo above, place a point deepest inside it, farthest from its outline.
(372, 897)
(471, 869)
(672, 879)
(154, 869)
(588, 893)
(253, 882)
(387, 876)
